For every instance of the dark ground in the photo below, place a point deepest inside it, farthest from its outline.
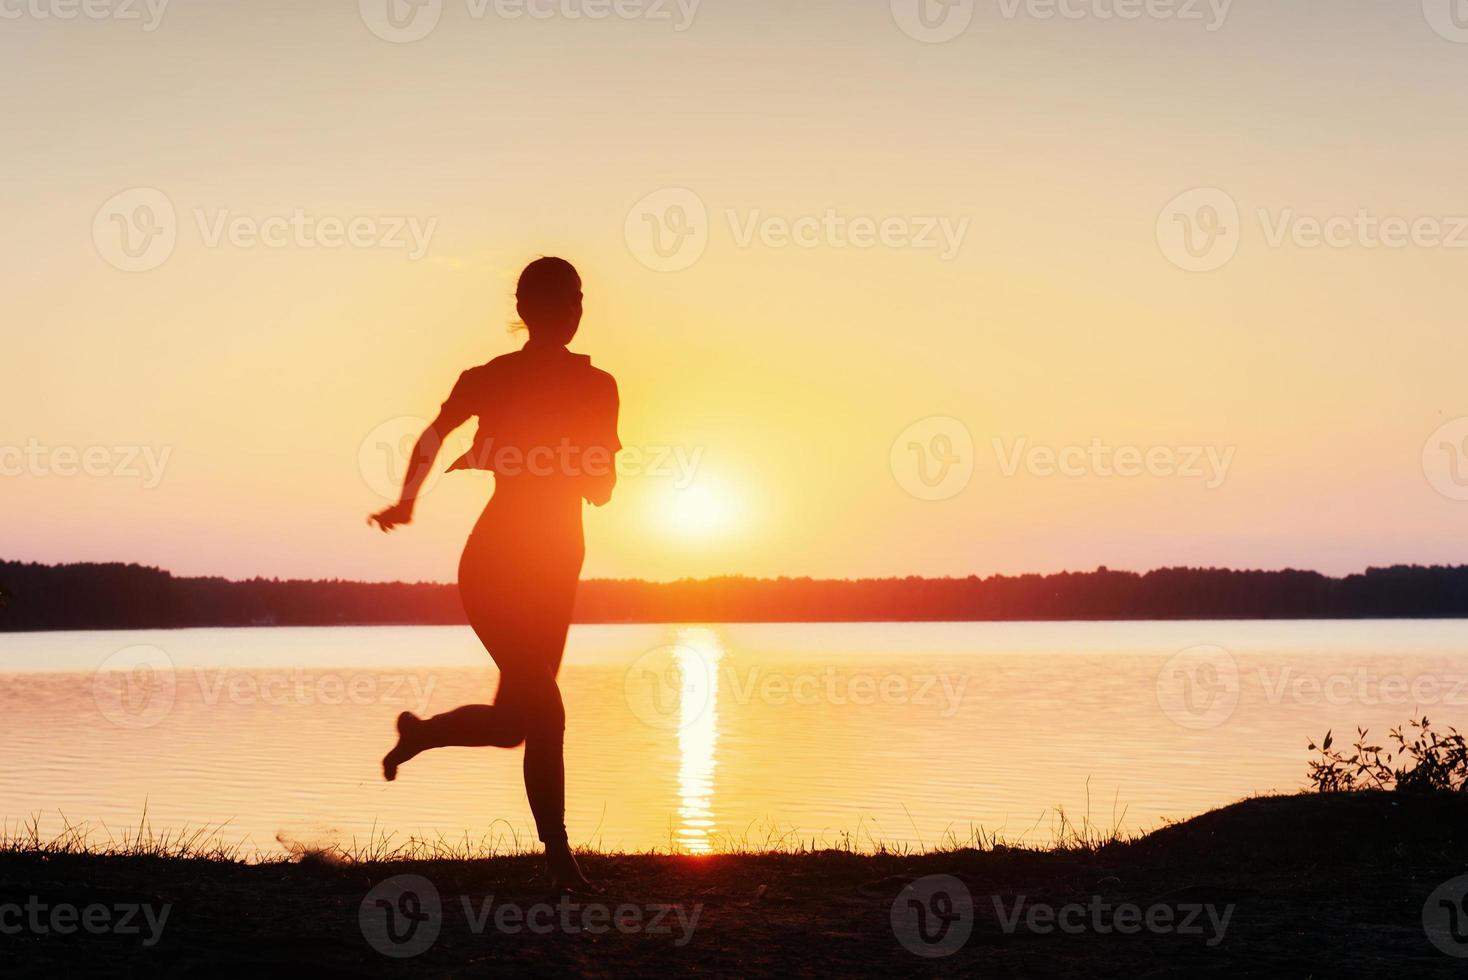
(1321, 886)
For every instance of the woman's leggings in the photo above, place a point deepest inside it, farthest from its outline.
(520, 608)
(527, 710)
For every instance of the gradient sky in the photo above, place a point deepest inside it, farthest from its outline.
(789, 371)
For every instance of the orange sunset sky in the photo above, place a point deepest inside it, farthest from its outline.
(774, 350)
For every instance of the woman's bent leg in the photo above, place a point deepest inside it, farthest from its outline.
(475, 725)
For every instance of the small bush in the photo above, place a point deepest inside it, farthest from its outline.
(1426, 761)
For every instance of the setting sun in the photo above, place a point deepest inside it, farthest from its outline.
(697, 510)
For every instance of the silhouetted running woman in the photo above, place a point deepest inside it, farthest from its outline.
(548, 430)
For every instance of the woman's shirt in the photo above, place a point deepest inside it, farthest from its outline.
(546, 417)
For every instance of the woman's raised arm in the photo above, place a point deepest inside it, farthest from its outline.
(420, 464)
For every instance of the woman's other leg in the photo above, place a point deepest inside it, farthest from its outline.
(537, 697)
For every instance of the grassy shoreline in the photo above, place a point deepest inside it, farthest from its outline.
(1309, 885)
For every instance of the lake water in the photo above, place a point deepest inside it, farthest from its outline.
(695, 737)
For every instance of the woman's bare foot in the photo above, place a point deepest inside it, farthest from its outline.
(410, 743)
(563, 871)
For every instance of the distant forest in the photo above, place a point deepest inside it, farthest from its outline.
(117, 596)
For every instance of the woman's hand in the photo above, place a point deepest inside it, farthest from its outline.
(397, 514)
(425, 451)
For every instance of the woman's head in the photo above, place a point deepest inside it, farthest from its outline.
(548, 298)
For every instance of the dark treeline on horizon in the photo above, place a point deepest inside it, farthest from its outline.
(118, 596)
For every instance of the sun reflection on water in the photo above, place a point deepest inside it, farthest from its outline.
(696, 656)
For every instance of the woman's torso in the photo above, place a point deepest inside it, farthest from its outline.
(548, 431)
